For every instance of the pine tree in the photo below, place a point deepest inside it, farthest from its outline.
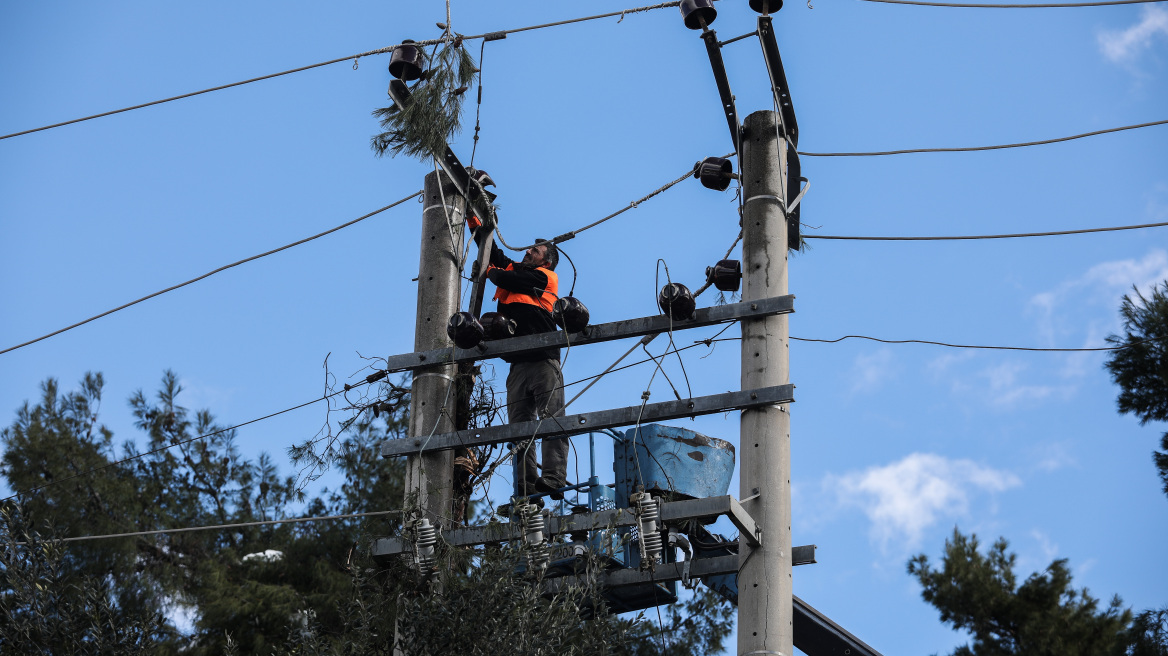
(1140, 366)
(1043, 616)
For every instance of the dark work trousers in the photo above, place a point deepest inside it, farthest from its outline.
(535, 390)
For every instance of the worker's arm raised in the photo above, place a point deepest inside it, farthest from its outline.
(521, 280)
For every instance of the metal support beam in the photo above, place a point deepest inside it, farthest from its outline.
(816, 635)
(604, 332)
(774, 63)
(714, 50)
(591, 421)
(671, 512)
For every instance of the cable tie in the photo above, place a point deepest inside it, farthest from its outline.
(764, 197)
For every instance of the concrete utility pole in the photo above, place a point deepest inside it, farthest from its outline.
(764, 580)
(432, 400)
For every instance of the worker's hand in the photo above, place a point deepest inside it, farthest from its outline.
(491, 272)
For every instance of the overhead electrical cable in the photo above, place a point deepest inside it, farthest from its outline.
(1058, 5)
(611, 369)
(981, 347)
(489, 36)
(1005, 236)
(211, 273)
(978, 148)
(216, 527)
(160, 449)
(631, 206)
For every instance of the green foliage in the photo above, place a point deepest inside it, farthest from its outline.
(434, 112)
(47, 608)
(299, 588)
(1043, 616)
(696, 627)
(1148, 635)
(247, 601)
(1141, 367)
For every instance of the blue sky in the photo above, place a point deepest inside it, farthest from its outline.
(893, 445)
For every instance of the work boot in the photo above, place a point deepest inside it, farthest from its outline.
(549, 488)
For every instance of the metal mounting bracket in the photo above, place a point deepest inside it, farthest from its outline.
(714, 50)
(594, 334)
(591, 421)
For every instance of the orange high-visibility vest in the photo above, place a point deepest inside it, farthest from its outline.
(545, 300)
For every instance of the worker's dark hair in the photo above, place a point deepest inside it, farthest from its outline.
(553, 253)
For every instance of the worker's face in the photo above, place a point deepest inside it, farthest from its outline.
(536, 255)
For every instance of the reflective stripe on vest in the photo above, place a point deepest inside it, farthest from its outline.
(545, 301)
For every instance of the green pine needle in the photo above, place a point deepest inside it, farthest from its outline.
(433, 114)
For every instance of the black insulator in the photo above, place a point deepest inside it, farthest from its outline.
(497, 326)
(698, 13)
(726, 275)
(677, 301)
(465, 330)
(482, 176)
(766, 6)
(570, 314)
(714, 173)
(407, 62)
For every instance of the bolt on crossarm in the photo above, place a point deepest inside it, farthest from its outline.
(764, 579)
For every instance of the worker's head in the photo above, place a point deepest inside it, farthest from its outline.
(544, 253)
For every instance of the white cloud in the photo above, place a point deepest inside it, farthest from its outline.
(1004, 389)
(1099, 288)
(1124, 45)
(1049, 549)
(1053, 456)
(905, 498)
(872, 369)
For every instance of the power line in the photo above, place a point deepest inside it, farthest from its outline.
(977, 148)
(489, 36)
(631, 206)
(1026, 6)
(982, 347)
(171, 446)
(211, 273)
(1006, 236)
(222, 526)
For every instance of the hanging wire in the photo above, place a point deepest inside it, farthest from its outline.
(219, 527)
(978, 148)
(1005, 236)
(211, 273)
(488, 36)
(1000, 6)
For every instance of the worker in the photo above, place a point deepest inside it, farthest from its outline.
(535, 384)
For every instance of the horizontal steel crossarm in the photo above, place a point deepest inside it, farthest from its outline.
(591, 421)
(666, 572)
(604, 332)
(671, 511)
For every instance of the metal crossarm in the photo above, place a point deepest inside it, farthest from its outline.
(671, 511)
(591, 421)
(604, 332)
(698, 568)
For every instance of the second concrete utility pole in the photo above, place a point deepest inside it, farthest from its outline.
(764, 580)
